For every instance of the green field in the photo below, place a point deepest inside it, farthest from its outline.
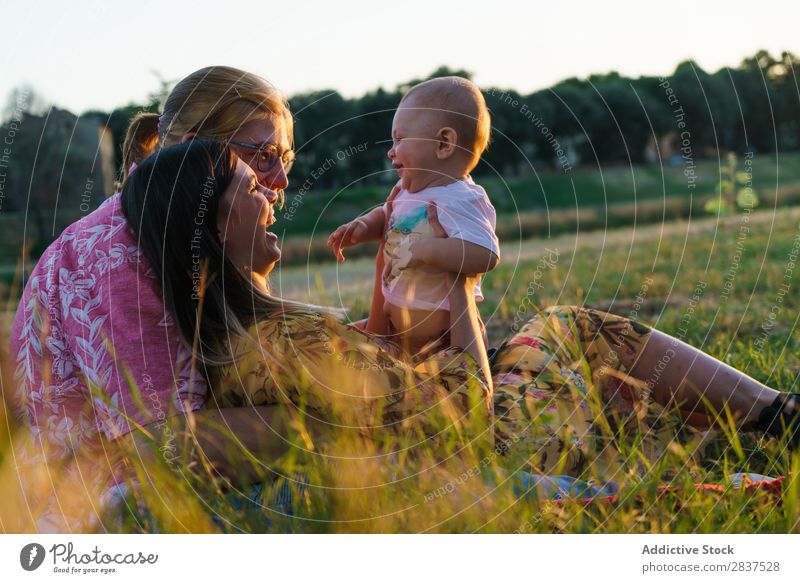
(540, 190)
(652, 272)
(547, 203)
(535, 204)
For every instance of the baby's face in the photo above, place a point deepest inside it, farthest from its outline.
(414, 145)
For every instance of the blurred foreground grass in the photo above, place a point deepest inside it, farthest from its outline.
(719, 285)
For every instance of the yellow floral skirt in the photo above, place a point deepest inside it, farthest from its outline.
(564, 399)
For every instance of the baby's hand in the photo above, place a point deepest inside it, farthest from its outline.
(346, 236)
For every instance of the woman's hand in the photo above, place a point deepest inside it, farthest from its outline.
(420, 251)
(390, 202)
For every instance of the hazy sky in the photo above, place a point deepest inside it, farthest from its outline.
(99, 54)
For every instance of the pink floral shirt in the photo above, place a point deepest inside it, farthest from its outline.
(90, 324)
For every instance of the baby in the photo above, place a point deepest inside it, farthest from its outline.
(439, 132)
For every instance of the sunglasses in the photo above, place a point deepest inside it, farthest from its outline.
(266, 156)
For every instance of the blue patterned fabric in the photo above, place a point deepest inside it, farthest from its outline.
(529, 486)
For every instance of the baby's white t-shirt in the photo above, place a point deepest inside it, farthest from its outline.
(464, 212)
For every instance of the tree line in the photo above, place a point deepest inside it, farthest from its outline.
(606, 119)
(603, 119)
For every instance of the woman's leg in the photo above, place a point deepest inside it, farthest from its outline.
(539, 412)
(681, 374)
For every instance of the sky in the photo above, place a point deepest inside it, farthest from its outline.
(92, 54)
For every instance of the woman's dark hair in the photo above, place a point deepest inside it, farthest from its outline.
(172, 201)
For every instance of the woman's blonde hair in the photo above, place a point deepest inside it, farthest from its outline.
(213, 102)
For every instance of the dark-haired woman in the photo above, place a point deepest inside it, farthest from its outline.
(265, 351)
(210, 246)
(91, 321)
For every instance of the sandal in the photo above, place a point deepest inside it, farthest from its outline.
(775, 420)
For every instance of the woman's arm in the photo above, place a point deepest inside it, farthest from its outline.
(453, 255)
(240, 443)
(465, 327)
(376, 322)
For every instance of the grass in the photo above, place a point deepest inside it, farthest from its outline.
(542, 191)
(533, 204)
(550, 203)
(717, 284)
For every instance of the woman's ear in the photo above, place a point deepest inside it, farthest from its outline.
(447, 139)
(188, 137)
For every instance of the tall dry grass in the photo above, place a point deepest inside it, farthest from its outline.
(404, 482)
